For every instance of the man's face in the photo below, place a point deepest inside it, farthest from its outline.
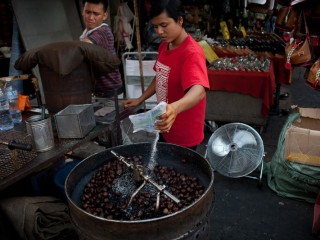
(93, 15)
(166, 28)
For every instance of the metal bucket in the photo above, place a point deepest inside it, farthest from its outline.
(187, 224)
(41, 132)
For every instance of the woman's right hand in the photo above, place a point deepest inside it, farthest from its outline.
(131, 102)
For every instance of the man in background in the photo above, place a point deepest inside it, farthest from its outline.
(97, 32)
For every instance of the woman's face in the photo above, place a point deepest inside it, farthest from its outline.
(166, 27)
(93, 15)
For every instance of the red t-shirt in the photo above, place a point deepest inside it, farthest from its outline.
(176, 71)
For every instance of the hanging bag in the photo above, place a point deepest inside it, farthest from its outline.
(313, 79)
(300, 51)
(287, 18)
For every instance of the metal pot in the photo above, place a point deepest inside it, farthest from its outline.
(187, 223)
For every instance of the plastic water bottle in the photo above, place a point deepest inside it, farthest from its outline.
(6, 122)
(12, 96)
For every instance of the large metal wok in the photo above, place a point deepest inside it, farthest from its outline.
(184, 224)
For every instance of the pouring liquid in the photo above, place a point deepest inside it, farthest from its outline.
(152, 162)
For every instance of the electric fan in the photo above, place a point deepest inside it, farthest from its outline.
(236, 150)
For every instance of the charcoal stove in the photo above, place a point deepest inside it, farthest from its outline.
(191, 222)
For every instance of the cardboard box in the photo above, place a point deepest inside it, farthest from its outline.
(302, 140)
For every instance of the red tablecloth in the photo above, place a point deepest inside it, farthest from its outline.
(255, 84)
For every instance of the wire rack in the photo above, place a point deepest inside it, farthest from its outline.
(12, 160)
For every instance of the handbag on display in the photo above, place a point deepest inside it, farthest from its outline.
(287, 18)
(300, 51)
(314, 75)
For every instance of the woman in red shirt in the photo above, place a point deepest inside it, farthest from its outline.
(181, 78)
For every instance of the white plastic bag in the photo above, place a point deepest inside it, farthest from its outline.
(146, 121)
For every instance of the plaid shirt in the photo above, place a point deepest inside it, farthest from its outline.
(106, 85)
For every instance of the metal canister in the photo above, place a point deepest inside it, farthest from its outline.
(41, 132)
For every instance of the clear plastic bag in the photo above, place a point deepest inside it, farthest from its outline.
(146, 121)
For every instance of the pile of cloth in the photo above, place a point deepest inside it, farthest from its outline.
(41, 217)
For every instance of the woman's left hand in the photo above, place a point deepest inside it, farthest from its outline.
(167, 119)
(194, 95)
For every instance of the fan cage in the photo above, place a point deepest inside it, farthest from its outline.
(235, 150)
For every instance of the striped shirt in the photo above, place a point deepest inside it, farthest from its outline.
(106, 85)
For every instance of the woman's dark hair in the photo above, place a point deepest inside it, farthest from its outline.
(104, 3)
(172, 7)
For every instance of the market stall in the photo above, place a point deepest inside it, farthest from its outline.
(240, 96)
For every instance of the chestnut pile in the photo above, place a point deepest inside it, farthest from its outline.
(109, 190)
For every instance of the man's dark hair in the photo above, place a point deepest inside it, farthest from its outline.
(172, 7)
(104, 2)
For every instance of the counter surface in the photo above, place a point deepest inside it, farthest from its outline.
(18, 164)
